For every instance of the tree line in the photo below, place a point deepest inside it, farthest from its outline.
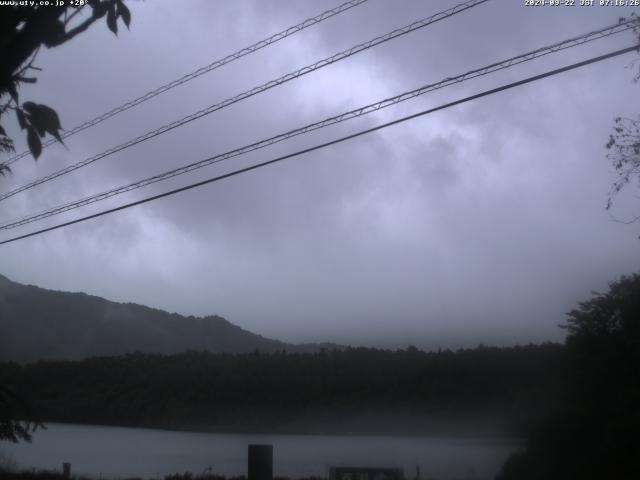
(268, 391)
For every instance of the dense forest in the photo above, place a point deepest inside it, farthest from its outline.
(409, 389)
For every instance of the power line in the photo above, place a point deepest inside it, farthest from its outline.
(201, 71)
(558, 46)
(332, 142)
(254, 91)
(569, 43)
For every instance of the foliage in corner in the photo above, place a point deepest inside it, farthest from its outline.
(612, 314)
(17, 421)
(624, 147)
(596, 436)
(24, 30)
(624, 142)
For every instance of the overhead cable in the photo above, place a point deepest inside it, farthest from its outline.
(254, 91)
(326, 144)
(200, 71)
(504, 64)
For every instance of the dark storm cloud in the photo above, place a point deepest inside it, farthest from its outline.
(482, 223)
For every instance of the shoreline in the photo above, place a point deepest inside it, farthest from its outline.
(439, 427)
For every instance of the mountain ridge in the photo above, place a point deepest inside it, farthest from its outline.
(43, 324)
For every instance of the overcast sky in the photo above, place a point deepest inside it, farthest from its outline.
(483, 223)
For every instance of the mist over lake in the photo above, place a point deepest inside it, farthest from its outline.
(121, 452)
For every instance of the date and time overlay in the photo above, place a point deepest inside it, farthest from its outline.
(582, 3)
(526, 3)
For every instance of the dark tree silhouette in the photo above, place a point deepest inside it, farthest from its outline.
(596, 436)
(23, 31)
(11, 408)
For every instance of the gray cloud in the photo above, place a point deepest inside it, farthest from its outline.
(482, 223)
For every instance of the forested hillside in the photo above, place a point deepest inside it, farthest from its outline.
(40, 324)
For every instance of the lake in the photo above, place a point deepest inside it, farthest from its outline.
(117, 452)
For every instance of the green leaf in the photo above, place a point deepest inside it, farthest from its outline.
(124, 13)
(57, 136)
(33, 118)
(30, 107)
(44, 119)
(99, 8)
(22, 121)
(34, 142)
(111, 19)
(6, 144)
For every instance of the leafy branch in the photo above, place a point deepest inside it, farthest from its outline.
(23, 30)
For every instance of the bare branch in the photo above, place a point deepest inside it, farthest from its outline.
(82, 26)
(624, 222)
(70, 17)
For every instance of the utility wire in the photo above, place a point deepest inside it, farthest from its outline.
(565, 44)
(254, 91)
(332, 142)
(201, 71)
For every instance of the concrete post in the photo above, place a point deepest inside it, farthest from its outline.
(260, 462)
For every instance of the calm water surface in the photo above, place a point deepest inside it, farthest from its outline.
(113, 452)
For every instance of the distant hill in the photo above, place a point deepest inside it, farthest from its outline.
(40, 324)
